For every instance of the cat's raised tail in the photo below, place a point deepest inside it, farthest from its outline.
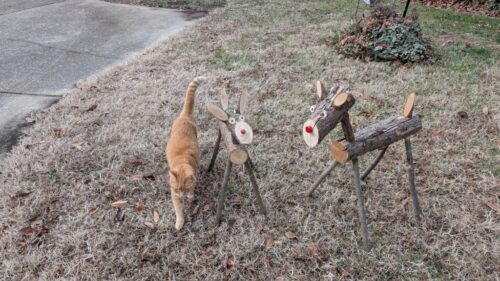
(190, 95)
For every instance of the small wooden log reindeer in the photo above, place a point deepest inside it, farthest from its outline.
(333, 109)
(236, 134)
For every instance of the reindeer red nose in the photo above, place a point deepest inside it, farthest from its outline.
(309, 129)
(243, 131)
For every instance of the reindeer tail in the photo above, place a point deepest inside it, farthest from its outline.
(191, 90)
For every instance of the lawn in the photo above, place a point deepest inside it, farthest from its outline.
(104, 141)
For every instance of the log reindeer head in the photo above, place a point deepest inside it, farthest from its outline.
(326, 114)
(241, 130)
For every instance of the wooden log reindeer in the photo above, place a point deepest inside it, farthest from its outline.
(332, 109)
(236, 134)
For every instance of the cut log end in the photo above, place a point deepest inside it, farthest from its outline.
(243, 103)
(408, 109)
(338, 152)
(224, 99)
(310, 133)
(340, 99)
(320, 90)
(243, 132)
(217, 112)
(238, 156)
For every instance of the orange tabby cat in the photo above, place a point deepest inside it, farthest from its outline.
(182, 154)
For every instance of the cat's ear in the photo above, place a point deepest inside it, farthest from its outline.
(173, 174)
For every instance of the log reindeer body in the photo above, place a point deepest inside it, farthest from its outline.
(237, 134)
(333, 109)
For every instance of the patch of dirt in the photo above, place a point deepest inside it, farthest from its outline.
(58, 184)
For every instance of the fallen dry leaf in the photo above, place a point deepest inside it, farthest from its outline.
(315, 251)
(91, 108)
(56, 132)
(156, 217)
(139, 206)
(229, 264)
(20, 194)
(291, 235)
(28, 230)
(486, 111)
(136, 162)
(269, 241)
(265, 261)
(347, 271)
(493, 206)
(206, 209)
(29, 120)
(150, 177)
(149, 224)
(92, 210)
(87, 257)
(119, 204)
(78, 145)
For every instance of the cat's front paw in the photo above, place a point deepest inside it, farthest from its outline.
(179, 224)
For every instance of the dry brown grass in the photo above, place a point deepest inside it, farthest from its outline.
(274, 50)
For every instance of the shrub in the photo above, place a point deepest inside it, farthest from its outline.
(385, 36)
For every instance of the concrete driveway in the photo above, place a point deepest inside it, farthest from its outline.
(46, 46)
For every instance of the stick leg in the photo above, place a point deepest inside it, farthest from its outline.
(255, 187)
(216, 151)
(374, 164)
(222, 191)
(411, 178)
(361, 204)
(322, 177)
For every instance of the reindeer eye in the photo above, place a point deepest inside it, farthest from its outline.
(312, 108)
(231, 120)
(241, 118)
(323, 114)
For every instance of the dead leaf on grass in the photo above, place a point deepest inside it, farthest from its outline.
(150, 177)
(39, 230)
(92, 210)
(265, 261)
(315, 251)
(21, 194)
(56, 132)
(91, 108)
(119, 204)
(139, 206)
(78, 145)
(206, 209)
(347, 271)
(291, 235)
(493, 206)
(229, 264)
(269, 241)
(156, 217)
(136, 162)
(149, 224)
(87, 257)
(29, 120)
(486, 111)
